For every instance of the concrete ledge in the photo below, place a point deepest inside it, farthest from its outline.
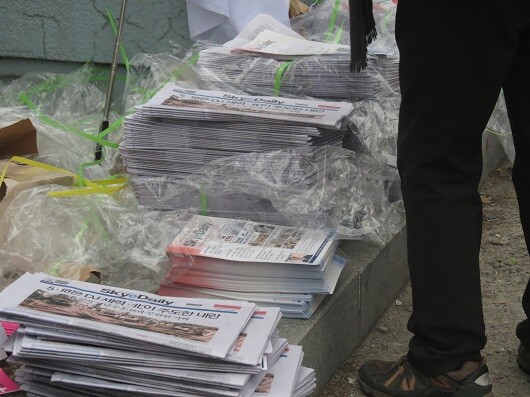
(370, 282)
(373, 277)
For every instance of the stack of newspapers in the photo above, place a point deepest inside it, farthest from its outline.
(87, 340)
(181, 129)
(291, 268)
(267, 58)
(318, 76)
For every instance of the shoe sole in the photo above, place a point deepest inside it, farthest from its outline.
(369, 392)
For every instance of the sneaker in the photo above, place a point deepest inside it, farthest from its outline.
(401, 379)
(523, 359)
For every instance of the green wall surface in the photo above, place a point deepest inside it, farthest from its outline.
(59, 35)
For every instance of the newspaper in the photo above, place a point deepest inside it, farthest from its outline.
(214, 379)
(184, 103)
(324, 285)
(259, 24)
(282, 377)
(206, 327)
(252, 342)
(85, 382)
(274, 43)
(244, 241)
(306, 382)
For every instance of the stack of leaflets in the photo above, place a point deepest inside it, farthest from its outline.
(88, 340)
(181, 129)
(287, 267)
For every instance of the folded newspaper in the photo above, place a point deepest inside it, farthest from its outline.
(81, 339)
(287, 267)
(180, 129)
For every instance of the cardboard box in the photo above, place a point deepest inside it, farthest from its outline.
(296, 7)
(18, 139)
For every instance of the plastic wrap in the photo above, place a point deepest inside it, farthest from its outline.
(148, 73)
(374, 125)
(499, 125)
(329, 20)
(326, 76)
(65, 109)
(108, 234)
(316, 187)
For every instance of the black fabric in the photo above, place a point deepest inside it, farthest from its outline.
(362, 32)
(455, 58)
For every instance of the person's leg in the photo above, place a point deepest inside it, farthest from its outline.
(454, 58)
(517, 96)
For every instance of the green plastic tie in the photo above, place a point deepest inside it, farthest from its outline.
(24, 98)
(279, 77)
(81, 171)
(98, 225)
(115, 30)
(204, 202)
(338, 36)
(332, 21)
(81, 232)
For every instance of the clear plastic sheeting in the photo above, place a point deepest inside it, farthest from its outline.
(148, 73)
(499, 125)
(326, 76)
(329, 21)
(108, 234)
(374, 125)
(317, 187)
(67, 110)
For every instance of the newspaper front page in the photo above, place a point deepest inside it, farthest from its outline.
(185, 101)
(239, 240)
(208, 327)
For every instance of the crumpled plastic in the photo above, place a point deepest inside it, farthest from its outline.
(329, 21)
(499, 125)
(320, 187)
(110, 234)
(374, 124)
(148, 73)
(62, 107)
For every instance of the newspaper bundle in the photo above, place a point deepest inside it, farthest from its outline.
(81, 339)
(180, 129)
(287, 267)
(268, 58)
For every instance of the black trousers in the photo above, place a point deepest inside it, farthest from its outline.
(456, 55)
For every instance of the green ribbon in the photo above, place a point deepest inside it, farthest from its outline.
(279, 77)
(115, 30)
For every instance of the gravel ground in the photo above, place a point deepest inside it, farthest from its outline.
(505, 272)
